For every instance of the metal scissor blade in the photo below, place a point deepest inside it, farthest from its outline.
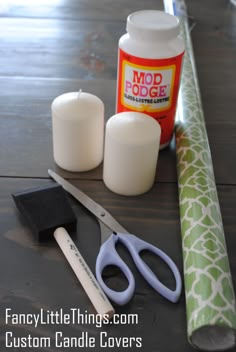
(102, 214)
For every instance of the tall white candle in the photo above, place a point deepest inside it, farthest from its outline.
(78, 131)
(132, 142)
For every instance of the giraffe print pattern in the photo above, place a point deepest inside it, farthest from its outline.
(209, 290)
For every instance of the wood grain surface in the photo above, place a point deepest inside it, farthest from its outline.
(51, 47)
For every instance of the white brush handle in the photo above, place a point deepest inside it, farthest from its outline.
(83, 273)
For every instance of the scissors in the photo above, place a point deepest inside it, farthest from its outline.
(112, 233)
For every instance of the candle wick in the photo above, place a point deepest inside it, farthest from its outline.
(80, 91)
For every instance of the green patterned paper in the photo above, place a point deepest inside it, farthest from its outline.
(210, 300)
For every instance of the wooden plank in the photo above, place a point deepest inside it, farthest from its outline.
(26, 136)
(213, 40)
(88, 48)
(57, 48)
(77, 9)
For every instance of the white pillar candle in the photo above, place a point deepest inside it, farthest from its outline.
(78, 131)
(132, 142)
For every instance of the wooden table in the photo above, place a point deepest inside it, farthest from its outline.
(51, 47)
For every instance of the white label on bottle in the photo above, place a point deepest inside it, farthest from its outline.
(149, 88)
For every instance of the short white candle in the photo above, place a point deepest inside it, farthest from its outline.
(132, 142)
(78, 131)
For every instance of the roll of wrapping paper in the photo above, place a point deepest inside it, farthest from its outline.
(210, 299)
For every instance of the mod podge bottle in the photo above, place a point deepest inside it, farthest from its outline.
(149, 68)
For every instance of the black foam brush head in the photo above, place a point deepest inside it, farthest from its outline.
(45, 209)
